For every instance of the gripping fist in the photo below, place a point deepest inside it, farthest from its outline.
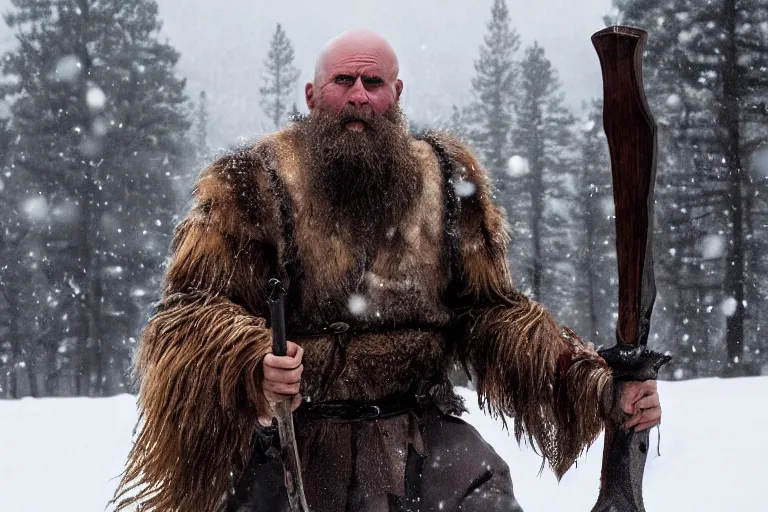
(640, 400)
(282, 380)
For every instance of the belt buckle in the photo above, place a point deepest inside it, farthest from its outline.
(371, 411)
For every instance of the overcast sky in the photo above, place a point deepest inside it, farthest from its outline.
(223, 44)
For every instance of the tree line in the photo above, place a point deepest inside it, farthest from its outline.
(100, 143)
(706, 75)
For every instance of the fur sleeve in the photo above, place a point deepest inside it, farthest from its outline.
(526, 366)
(198, 362)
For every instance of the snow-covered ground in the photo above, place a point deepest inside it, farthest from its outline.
(63, 454)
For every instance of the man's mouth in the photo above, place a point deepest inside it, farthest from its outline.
(355, 125)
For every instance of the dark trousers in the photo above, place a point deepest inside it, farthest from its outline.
(460, 472)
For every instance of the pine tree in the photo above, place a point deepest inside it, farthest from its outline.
(543, 138)
(709, 87)
(101, 128)
(494, 93)
(456, 123)
(202, 146)
(294, 113)
(8, 382)
(25, 319)
(280, 78)
(598, 286)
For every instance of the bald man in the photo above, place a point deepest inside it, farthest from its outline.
(395, 262)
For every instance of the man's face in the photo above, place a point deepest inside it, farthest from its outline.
(357, 72)
(356, 138)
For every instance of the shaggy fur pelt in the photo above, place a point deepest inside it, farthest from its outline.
(199, 358)
(527, 367)
(432, 290)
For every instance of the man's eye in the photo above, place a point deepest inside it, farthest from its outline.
(344, 79)
(371, 81)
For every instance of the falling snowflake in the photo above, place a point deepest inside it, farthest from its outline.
(65, 211)
(95, 98)
(464, 188)
(517, 166)
(608, 207)
(357, 304)
(68, 68)
(728, 306)
(673, 101)
(713, 247)
(115, 270)
(100, 127)
(74, 286)
(36, 208)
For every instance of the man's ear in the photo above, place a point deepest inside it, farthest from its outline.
(309, 95)
(398, 89)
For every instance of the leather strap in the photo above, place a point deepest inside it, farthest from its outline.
(345, 328)
(350, 411)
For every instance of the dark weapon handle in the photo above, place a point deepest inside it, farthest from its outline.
(276, 302)
(625, 451)
(631, 134)
(289, 455)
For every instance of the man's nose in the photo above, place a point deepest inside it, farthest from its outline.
(358, 96)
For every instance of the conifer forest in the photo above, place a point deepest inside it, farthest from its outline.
(102, 136)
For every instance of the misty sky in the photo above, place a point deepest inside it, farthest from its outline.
(223, 45)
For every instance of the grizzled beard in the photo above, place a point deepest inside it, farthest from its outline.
(366, 179)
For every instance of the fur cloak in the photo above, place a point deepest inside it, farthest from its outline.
(432, 292)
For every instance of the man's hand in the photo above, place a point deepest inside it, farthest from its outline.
(282, 379)
(641, 401)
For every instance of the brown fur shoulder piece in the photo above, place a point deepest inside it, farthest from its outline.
(526, 366)
(200, 354)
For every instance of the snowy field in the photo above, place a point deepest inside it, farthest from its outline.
(62, 454)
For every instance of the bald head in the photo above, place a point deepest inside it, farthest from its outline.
(361, 44)
(357, 68)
